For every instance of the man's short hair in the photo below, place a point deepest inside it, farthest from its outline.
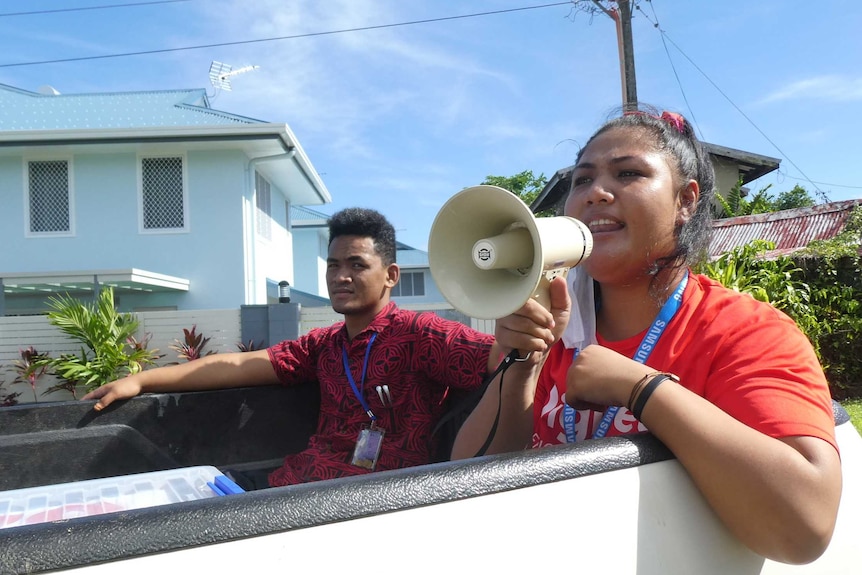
(365, 223)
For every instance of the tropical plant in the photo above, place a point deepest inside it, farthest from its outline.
(251, 345)
(108, 351)
(192, 346)
(834, 271)
(736, 205)
(8, 398)
(30, 368)
(778, 281)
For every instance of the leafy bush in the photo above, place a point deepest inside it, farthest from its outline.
(251, 345)
(822, 294)
(109, 350)
(8, 398)
(834, 271)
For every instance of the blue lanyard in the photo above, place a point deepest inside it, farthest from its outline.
(668, 310)
(360, 391)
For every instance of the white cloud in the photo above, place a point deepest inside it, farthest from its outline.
(827, 88)
(338, 88)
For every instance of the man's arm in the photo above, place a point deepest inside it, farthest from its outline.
(217, 371)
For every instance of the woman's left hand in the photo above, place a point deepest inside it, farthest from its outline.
(600, 376)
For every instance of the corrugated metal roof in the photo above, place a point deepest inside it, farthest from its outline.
(790, 230)
(21, 110)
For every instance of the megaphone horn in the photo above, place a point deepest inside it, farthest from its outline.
(488, 254)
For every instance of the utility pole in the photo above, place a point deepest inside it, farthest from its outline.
(622, 17)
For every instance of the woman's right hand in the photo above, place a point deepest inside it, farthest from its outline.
(533, 328)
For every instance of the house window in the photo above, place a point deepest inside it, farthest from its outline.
(263, 201)
(410, 284)
(163, 193)
(49, 197)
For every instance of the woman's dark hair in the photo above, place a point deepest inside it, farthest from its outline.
(365, 223)
(674, 136)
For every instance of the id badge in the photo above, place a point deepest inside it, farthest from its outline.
(368, 447)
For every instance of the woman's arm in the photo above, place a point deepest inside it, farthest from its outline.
(778, 496)
(532, 329)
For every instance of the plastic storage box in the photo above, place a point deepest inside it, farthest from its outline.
(97, 496)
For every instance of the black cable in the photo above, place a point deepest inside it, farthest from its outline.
(293, 37)
(56, 10)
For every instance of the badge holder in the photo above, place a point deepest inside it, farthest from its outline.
(368, 447)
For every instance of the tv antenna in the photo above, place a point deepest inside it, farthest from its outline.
(220, 74)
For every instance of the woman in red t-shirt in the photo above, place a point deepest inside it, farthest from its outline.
(730, 385)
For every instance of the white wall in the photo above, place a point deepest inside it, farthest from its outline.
(221, 326)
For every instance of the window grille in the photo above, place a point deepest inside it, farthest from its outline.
(410, 284)
(263, 199)
(49, 196)
(163, 196)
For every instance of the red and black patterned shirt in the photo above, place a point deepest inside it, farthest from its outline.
(417, 355)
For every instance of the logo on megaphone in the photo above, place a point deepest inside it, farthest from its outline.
(489, 254)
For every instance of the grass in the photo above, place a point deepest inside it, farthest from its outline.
(854, 409)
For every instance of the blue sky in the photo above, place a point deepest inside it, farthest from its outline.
(402, 117)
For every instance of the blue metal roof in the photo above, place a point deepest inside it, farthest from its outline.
(21, 110)
(301, 216)
(410, 256)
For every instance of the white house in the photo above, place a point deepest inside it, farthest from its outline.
(173, 203)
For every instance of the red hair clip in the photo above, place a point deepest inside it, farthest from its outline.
(675, 120)
(672, 118)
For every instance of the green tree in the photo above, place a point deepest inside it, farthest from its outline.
(797, 197)
(525, 185)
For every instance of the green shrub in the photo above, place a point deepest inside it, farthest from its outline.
(821, 290)
(109, 350)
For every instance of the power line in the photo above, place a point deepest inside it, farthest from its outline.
(669, 59)
(293, 37)
(57, 10)
(786, 175)
(820, 192)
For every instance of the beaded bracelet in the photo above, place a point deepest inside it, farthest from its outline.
(649, 388)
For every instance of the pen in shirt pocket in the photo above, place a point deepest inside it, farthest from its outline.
(384, 395)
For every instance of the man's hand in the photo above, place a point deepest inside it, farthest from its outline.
(120, 389)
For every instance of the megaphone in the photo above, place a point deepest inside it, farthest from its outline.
(488, 254)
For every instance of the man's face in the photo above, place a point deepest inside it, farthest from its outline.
(356, 278)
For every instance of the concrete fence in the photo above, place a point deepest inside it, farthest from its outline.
(165, 329)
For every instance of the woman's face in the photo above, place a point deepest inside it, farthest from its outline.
(626, 192)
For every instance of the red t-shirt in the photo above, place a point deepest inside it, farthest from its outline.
(741, 354)
(417, 355)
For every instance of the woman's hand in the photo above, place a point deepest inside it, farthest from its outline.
(601, 377)
(534, 328)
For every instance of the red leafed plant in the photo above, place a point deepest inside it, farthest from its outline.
(192, 346)
(30, 368)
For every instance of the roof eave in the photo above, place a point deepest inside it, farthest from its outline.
(281, 132)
